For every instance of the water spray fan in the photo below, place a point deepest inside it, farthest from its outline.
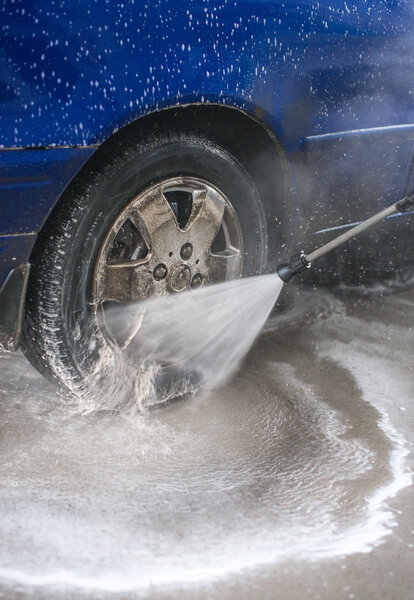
(301, 262)
(193, 347)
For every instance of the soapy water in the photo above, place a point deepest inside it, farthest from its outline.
(294, 460)
(172, 346)
(262, 471)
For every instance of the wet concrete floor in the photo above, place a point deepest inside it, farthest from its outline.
(292, 481)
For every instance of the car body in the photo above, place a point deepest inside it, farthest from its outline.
(330, 83)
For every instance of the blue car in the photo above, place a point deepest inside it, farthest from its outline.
(152, 146)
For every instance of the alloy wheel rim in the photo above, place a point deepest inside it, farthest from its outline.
(179, 234)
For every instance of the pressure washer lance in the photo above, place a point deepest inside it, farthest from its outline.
(300, 262)
(174, 381)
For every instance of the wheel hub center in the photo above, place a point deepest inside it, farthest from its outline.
(180, 278)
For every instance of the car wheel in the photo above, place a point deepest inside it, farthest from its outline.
(167, 213)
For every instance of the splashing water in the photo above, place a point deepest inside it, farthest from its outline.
(175, 345)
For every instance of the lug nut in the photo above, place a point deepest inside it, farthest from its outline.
(186, 251)
(160, 272)
(196, 281)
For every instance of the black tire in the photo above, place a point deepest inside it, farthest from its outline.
(58, 338)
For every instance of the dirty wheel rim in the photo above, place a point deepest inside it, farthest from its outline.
(176, 235)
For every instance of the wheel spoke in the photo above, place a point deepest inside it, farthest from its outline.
(206, 218)
(125, 282)
(223, 266)
(154, 217)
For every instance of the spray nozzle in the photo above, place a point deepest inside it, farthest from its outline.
(406, 203)
(297, 264)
